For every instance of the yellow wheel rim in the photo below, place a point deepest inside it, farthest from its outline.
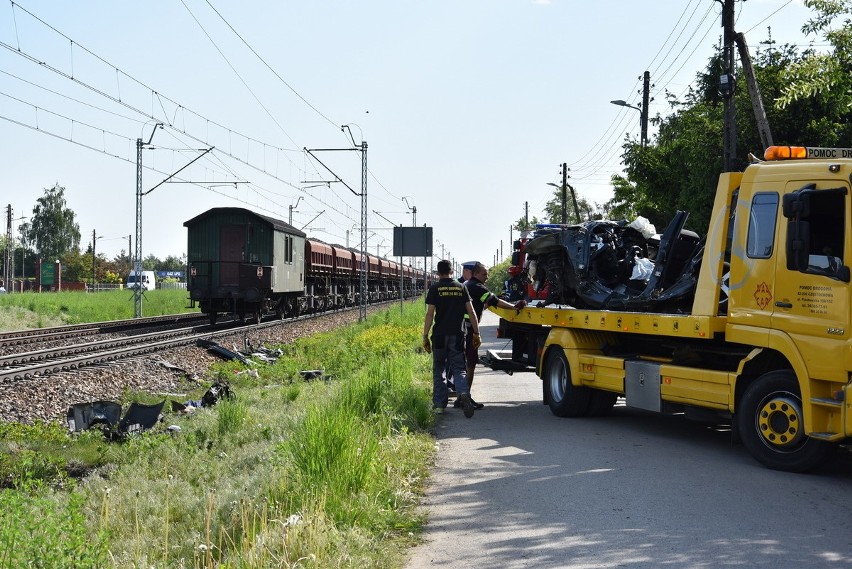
(780, 421)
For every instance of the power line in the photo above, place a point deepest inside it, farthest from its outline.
(177, 108)
(237, 73)
(333, 123)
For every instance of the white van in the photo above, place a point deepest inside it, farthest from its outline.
(147, 282)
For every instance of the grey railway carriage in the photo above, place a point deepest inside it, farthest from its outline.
(244, 263)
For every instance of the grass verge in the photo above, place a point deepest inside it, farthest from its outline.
(289, 473)
(22, 310)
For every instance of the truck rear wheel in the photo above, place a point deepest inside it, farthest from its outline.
(771, 424)
(564, 399)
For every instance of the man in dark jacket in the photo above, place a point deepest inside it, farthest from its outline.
(480, 297)
(447, 304)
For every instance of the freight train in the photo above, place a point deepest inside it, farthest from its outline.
(247, 264)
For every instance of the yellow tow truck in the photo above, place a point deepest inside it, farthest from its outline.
(766, 340)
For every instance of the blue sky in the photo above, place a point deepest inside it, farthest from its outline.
(468, 107)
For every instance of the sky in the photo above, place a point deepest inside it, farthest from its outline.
(468, 109)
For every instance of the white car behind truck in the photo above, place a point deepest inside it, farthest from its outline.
(147, 280)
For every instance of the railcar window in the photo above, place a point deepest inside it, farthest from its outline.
(761, 225)
(288, 248)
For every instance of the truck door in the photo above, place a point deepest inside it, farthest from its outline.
(753, 254)
(232, 244)
(810, 300)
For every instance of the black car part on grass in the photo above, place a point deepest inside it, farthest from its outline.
(106, 415)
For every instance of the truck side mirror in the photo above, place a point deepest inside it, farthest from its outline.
(516, 257)
(798, 203)
(798, 244)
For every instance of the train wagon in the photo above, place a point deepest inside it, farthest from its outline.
(345, 276)
(244, 263)
(319, 268)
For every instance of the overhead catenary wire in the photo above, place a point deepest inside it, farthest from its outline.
(170, 117)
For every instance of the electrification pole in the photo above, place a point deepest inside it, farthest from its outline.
(362, 315)
(137, 263)
(8, 258)
(363, 248)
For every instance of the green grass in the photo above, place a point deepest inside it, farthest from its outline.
(289, 473)
(20, 311)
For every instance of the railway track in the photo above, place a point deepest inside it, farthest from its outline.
(26, 365)
(12, 339)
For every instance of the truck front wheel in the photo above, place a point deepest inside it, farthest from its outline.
(771, 424)
(564, 399)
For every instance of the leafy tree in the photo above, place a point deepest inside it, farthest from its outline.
(53, 230)
(523, 224)
(497, 276)
(173, 263)
(122, 263)
(824, 75)
(553, 208)
(680, 168)
(76, 267)
(151, 263)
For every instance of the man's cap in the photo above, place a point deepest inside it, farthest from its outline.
(444, 267)
(469, 265)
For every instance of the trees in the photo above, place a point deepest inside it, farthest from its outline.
(679, 170)
(173, 263)
(53, 230)
(823, 75)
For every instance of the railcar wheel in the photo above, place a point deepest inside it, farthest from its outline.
(771, 424)
(212, 316)
(564, 399)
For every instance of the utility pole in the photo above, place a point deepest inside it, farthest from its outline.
(646, 100)
(566, 186)
(727, 86)
(527, 214)
(754, 93)
(94, 243)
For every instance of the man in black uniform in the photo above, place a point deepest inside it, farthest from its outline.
(447, 304)
(480, 298)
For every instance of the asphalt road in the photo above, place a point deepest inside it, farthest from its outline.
(516, 486)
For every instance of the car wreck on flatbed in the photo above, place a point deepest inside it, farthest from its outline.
(615, 265)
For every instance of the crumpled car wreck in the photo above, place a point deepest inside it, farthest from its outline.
(616, 265)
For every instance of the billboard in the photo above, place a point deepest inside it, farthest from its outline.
(412, 241)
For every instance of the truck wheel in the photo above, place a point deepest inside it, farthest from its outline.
(564, 399)
(771, 424)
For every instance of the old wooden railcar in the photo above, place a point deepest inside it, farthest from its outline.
(244, 263)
